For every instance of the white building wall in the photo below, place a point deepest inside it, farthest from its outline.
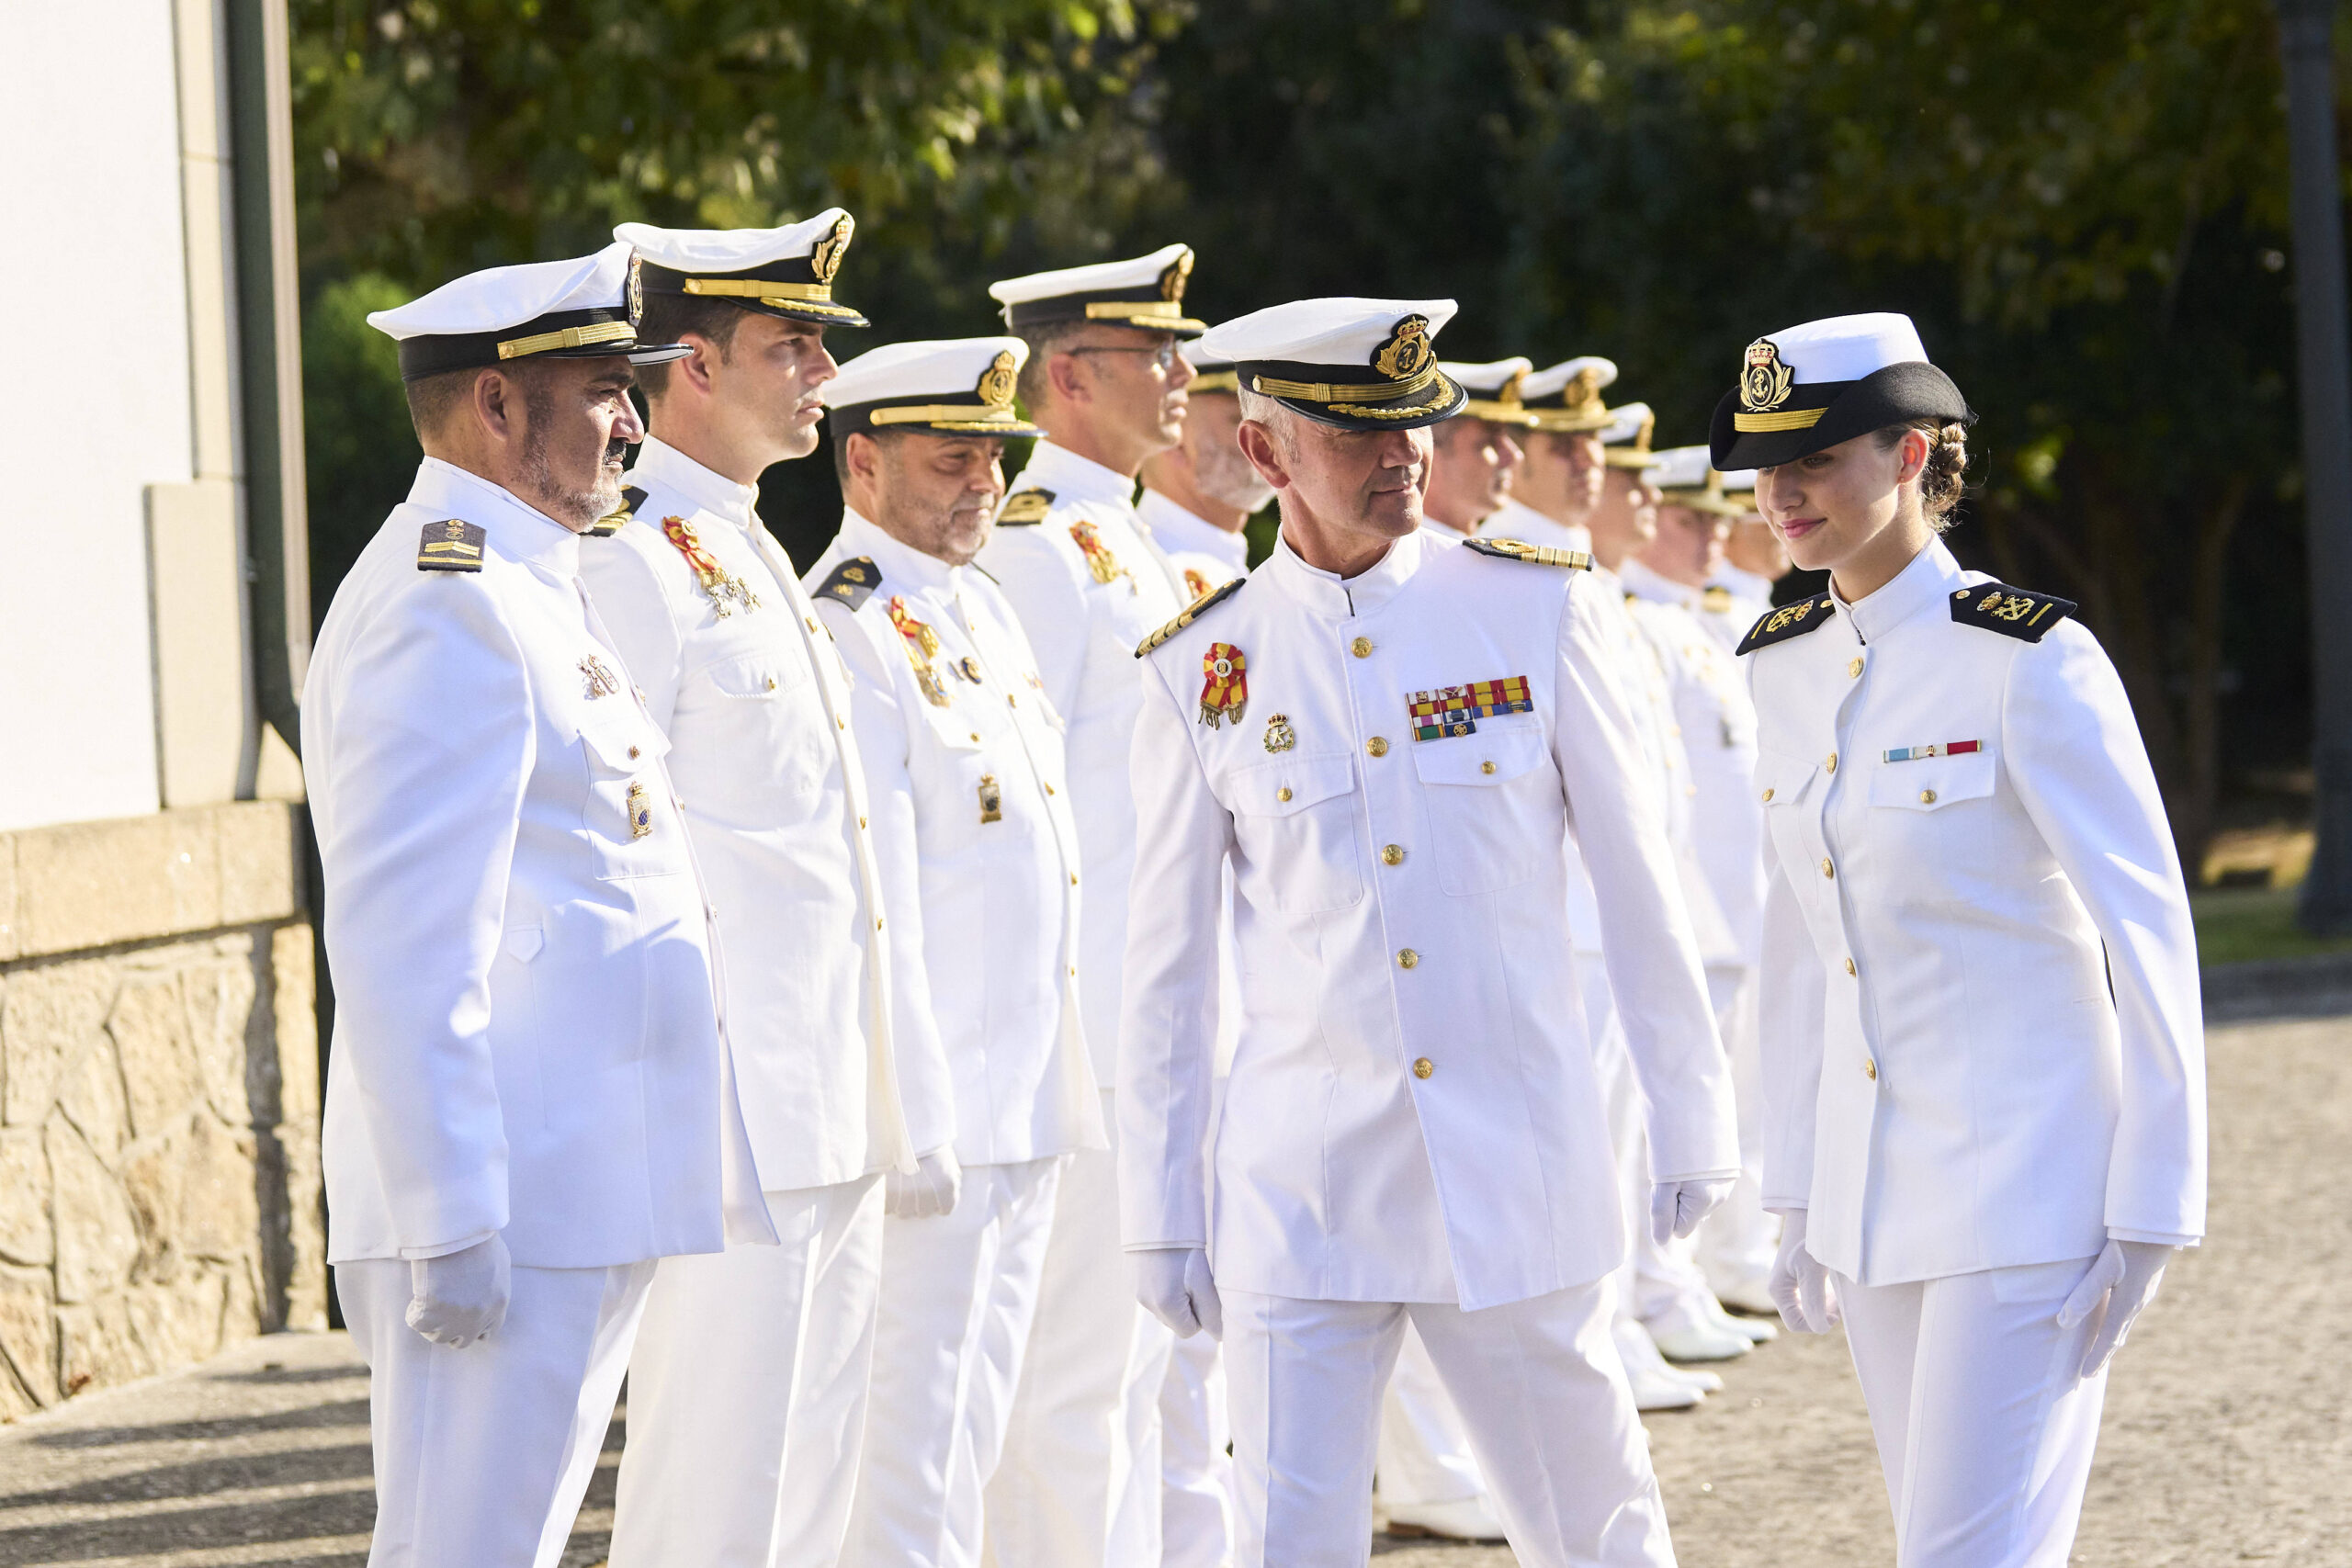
(98, 403)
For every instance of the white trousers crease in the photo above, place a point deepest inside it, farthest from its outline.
(1541, 1392)
(1078, 1483)
(483, 1453)
(747, 1393)
(1737, 1243)
(1985, 1431)
(1424, 1455)
(958, 1294)
(1195, 1468)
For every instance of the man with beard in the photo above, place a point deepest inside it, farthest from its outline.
(530, 1097)
(1476, 455)
(1198, 493)
(748, 1389)
(981, 876)
(1078, 1484)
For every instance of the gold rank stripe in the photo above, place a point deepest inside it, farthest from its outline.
(923, 413)
(758, 289)
(1193, 611)
(1786, 419)
(570, 337)
(1342, 392)
(1142, 312)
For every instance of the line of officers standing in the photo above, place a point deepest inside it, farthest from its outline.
(730, 960)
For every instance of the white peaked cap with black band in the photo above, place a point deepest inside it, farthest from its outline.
(787, 271)
(580, 309)
(1685, 478)
(1210, 374)
(1494, 388)
(1145, 292)
(1356, 364)
(1827, 381)
(1625, 439)
(1567, 395)
(948, 387)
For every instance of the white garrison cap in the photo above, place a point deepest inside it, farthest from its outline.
(1145, 292)
(948, 387)
(1827, 381)
(1627, 436)
(1210, 374)
(1357, 364)
(1494, 388)
(784, 272)
(580, 309)
(1567, 395)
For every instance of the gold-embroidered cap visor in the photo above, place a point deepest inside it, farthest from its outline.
(1425, 397)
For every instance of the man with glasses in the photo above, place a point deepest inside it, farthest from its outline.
(1078, 1483)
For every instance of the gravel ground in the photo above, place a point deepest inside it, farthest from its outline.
(2224, 1441)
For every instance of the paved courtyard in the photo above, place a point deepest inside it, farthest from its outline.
(2226, 1438)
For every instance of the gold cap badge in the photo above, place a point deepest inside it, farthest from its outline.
(1406, 350)
(826, 259)
(997, 382)
(1764, 385)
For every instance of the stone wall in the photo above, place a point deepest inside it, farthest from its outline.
(159, 1097)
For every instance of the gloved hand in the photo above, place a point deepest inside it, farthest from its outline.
(2126, 1277)
(1175, 1284)
(1800, 1284)
(930, 1190)
(461, 1297)
(1677, 1207)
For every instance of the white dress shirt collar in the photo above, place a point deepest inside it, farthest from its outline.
(903, 566)
(1926, 583)
(521, 529)
(1073, 477)
(659, 463)
(1327, 593)
(1179, 530)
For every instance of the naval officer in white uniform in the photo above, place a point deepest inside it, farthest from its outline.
(980, 861)
(747, 1390)
(1476, 455)
(1388, 736)
(1078, 1484)
(1984, 1052)
(529, 1099)
(1561, 468)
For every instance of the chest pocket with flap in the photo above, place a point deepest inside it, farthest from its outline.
(1933, 784)
(1783, 785)
(1294, 821)
(633, 827)
(1494, 804)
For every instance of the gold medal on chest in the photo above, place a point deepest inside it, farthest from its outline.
(1279, 736)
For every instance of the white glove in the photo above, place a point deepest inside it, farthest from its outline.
(1800, 1286)
(1677, 1207)
(461, 1297)
(2126, 1277)
(930, 1190)
(1175, 1284)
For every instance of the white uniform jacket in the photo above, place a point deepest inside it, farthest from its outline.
(981, 870)
(1413, 1113)
(1983, 1040)
(1088, 585)
(526, 1033)
(1204, 556)
(752, 693)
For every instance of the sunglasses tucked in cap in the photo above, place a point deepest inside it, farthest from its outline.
(580, 309)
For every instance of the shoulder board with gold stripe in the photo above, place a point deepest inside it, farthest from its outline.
(1193, 611)
(852, 582)
(2019, 613)
(611, 523)
(1788, 620)
(1023, 507)
(1538, 555)
(450, 545)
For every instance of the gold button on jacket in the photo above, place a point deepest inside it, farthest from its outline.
(1423, 1068)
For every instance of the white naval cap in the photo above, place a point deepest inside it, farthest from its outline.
(1685, 478)
(1827, 381)
(580, 309)
(1210, 374)
(1494, 388)
(1357, 363)
(1567, 395)
(1625, 439)
(947, 387)
(1145, 292)
(783, 272)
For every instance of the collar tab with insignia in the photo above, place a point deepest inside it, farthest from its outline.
(450, 545)
(852, 582)
(2013, 612)
(1534, 555)
(611, 523)
(1788, 620)
(1023, 507)
(1193, 611)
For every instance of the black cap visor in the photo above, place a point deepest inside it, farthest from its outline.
(1355, 403)
(1840, 411)
(598, 332)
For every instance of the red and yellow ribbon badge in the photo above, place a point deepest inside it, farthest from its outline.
(922, 644)
(1225, 692)
(714, 578)
(1098, 558)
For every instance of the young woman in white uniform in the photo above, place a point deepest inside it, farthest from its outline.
(1984, 1056)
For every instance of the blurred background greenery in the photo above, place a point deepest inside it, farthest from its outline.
(2084, 205)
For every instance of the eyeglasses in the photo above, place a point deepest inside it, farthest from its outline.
(1163, 357)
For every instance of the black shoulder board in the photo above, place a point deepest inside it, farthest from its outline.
(2013, 612)
(450, 546)
(1539, 554)
(611, 523)
(1788, 620)
(852, 582)
(1193, 611)
(1026, 506)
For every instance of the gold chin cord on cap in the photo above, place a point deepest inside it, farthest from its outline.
(924, 413)
(1346, 391)
(570, 337)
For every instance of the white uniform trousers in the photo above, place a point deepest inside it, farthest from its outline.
(1078, 1483)
(483, 1453)
(1195, 1468)
(959, 1290)
(1541, 1392)
(1424, 1449)
(747, 1393)
(1738, 1241)
(1984, 1429)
